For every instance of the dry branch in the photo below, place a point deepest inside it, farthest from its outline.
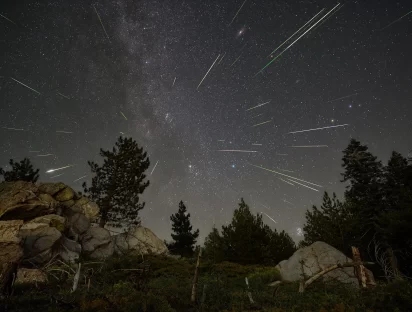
(193, 297)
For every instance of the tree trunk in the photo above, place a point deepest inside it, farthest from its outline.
(102, 222)
(360, 269)
(193, 297)
(7, 276)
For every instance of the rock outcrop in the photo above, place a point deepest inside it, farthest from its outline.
(40, 222)
(140, 239)
(315, 258)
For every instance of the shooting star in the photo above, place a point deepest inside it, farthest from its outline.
(259, 105)
(262, 123)
(56, 176)
(343, 97)
(287, 48)
(44, 155)
(101, 23)
(295, 33)
(285, 170)
(238, 12)
(65, 96)
(123, 115)
(174, 82)
(61, 131)
(257, 115)
(61, 168)
(8, 19)
(285, 175)
(308, 146)
(207, 72)
(236, 60)
(281, 154)
(221, 140)
(26, 86)
(304, 185)
(80, 178)
(396, 20)
(154, 168)
(315, 129)
(324, 21)
(224, 54)
(257, 144)
(16, 129)
(286, 182)
(288, 202)
(239, 151)
(269, 216)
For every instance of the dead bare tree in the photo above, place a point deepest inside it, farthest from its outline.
(195, 278)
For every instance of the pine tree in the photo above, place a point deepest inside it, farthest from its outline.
(21, 171)
(118, 182)
(184, 239)
(329, 224)
(213, 246)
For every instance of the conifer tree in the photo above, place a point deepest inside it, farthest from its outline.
(21, 171)
(213, 246)
(184, 239)
(118, 182)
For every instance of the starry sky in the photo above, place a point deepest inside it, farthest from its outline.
(95, 70)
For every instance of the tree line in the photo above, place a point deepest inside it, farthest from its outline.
(375, 214)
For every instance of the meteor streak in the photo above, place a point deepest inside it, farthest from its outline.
(221, 140)
(285, 170)
(174, 82)
(256, 144)
(123, 115)
(295, 33)
(268, 217)
(396, 20)
(285, 175)
(56, 176)
(318, 128)
(65, 96)
(60, 131)
(8, 19)
(308, 146)
(16, 129)
(286, 182)
(80, 178)
(281, 154)
(343, 97)
(287, 48)
(236, 60)
(25, 85)
(61, 168)
(237, 12)
(262, 123)
(259, 105)
(101, 23)
(154, 168)
(305, 185)
(224, 54)
(240, 151)
(44, 155)
(257, 115)
(207, 72)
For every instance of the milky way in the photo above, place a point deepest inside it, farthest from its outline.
(75, 75)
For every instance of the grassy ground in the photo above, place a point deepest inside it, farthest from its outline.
(124, 284)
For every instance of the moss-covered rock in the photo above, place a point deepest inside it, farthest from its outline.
(52, 220)
(64, 195)
(51, 188)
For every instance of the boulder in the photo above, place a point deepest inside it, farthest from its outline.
(18, 200)
(103, 251)
(315, 258)
(52, 220)
(30, 276)
(68, 203)
(38, 239)
(10, 249)
(69, 250)
(78, 224)
(95, 237)
(65, 194)
(51, 188)
(86, 207)
(140, 239)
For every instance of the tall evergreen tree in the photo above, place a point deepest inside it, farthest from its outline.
(213, 246)
(184, 239)
(330, 224)
(21, 171)
(118, 182)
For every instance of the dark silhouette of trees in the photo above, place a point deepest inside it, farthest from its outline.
(21, 171)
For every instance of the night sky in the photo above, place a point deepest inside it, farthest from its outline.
(101, 69)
